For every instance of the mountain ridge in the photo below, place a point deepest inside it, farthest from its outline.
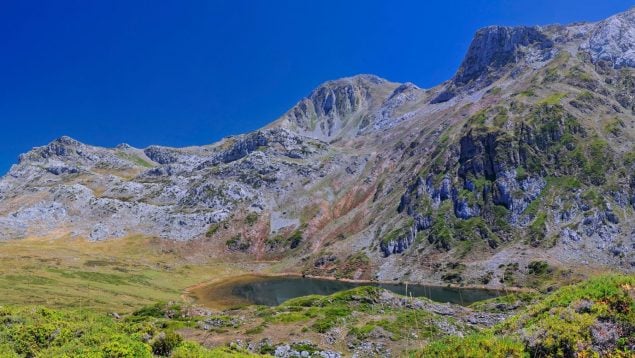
(615, 20)
(522, 156)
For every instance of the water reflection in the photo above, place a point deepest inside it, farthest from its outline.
(272, 291)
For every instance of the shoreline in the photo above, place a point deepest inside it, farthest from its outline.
(188, 294)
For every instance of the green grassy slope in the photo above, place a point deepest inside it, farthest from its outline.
(595, 317)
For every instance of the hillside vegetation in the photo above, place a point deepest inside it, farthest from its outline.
(594, 317)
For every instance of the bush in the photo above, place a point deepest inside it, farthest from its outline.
(295, 239)
(561, 323)
(41, 332)
(30, 339)
(538, 229)
(165, 343)
(155, 310)
(238, 243)
(123, 347)
(251, 219)
(213, 229)
(189, 350)
(538, 267)
(475, 345)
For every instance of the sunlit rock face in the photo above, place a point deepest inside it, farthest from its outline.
(495, 47)
(613, 40)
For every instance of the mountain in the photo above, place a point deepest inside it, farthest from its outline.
(522, 161)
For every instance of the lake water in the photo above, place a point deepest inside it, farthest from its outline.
(272, 291)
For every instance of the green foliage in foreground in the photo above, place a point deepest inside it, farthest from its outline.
(590, 319)
(41, 332)
(358, 312)
(475, 345)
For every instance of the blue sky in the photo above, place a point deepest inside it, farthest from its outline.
(190, 72)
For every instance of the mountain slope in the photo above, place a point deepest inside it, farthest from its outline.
(523, 161)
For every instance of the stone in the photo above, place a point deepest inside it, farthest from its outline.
(494, 47)
(613, 40)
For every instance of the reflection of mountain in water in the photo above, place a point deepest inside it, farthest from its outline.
(273, 291)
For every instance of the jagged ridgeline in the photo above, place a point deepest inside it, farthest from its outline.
(520, 164)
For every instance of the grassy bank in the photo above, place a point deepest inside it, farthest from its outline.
(590, 319)
(114, 275)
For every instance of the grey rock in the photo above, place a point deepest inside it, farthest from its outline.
(495, 47)
(329, 354)
(570, 235)
(401, 243)
(463, 210)
(613, 40)
(59, 170)
(161, 155)
(605, 335)
(324, 113)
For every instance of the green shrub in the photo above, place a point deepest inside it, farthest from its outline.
(165, 343)
(559, 325)
(551, 74)
(598, 162)
(529, 92)
(123, 347)
(295, 239)
(538, 267)
(238, 243)
(192, 350)
(155, 310)
(479, 118)
(251, 218)
(538, 228)
(213, 229)
(501, 214)
(629, 158)
(509, 273)
(475, 345)
(521, 173)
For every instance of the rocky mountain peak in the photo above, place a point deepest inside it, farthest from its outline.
(345, 94)
(66, 140)
(331, 106)
(494, 47)
(61, 147)
(124, 146)
(404, 88)
(613, 40)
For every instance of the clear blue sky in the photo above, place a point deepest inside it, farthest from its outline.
(190, 72)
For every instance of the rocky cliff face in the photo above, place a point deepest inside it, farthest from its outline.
(524, 156)
(496, 47)
(329, 108)
(613, 40)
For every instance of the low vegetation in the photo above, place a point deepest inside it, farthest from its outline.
(36, 331)
(593, 317)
